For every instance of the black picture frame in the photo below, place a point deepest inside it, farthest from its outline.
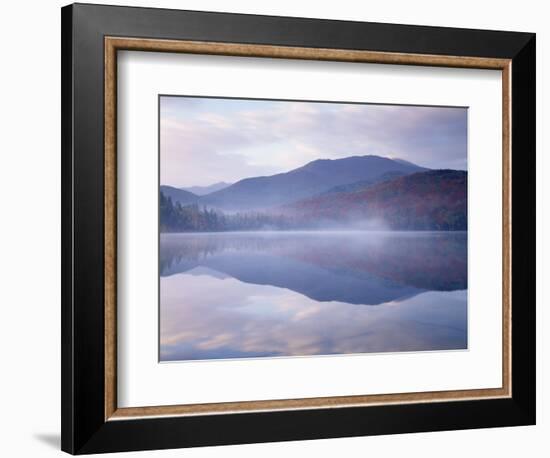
(84, 428)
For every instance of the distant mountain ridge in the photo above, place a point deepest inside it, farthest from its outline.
(203, 190)
(260, 193)
(179, 195)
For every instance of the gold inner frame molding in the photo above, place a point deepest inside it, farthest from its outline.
(114, 44)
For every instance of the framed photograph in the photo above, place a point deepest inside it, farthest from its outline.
(283, 228)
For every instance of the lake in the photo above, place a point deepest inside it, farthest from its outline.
(272, 294)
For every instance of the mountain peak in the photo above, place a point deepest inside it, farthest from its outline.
(363, 158)
(258, 193)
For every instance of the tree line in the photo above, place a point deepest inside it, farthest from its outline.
(175, 217)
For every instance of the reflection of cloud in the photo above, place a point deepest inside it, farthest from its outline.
(235, 139)
(205, 317)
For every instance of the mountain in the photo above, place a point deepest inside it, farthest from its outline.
(179, 195)
(431, 200)
(401, 161)
(364, 184)
(313, 178)
(203, 190)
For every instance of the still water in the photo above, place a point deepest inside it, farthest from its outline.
(266, 294)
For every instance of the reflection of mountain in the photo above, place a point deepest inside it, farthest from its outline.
(357, 268)
(313, 178)
(314, 282)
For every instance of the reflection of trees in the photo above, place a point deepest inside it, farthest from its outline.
(434, 261)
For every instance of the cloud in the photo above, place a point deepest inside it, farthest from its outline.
(205, 140)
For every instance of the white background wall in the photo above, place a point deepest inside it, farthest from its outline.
(30, 227)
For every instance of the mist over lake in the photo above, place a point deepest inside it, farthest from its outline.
(266, 294)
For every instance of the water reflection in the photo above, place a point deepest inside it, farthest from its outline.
(233, 295)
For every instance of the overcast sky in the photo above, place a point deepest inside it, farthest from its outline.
(207, 140)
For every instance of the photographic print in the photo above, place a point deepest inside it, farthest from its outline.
(300, 228)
